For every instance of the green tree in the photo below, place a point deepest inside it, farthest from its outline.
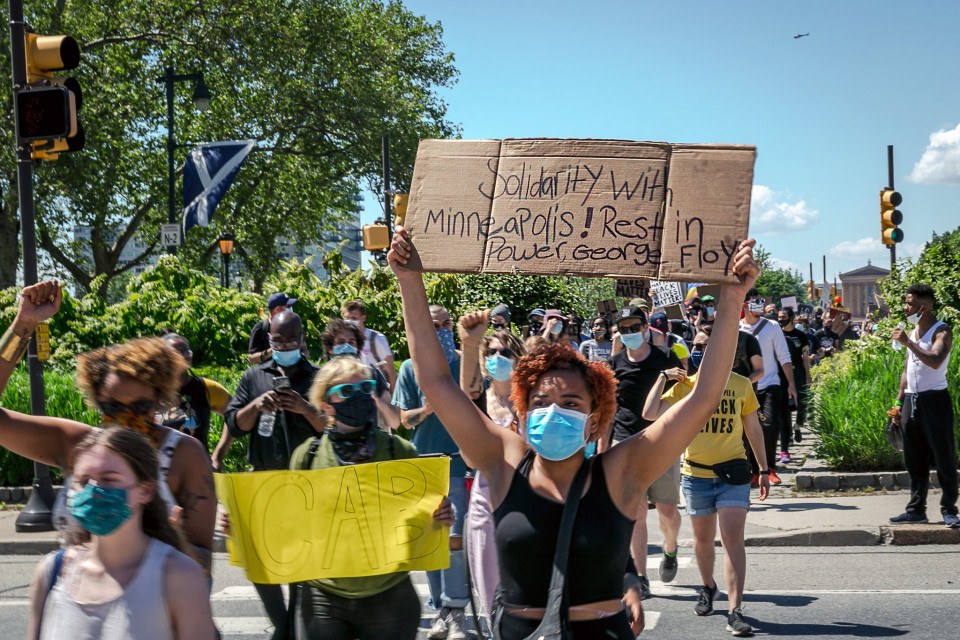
(938, 266)
(315, 83)
(776, 283)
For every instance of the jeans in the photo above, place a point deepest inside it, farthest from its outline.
(448, 587)
(394, 613)
(927, 420)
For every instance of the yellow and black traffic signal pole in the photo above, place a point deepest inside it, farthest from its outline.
(890, 216)
(36, 515)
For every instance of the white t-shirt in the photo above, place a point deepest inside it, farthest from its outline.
(375, 348)
(773, 348)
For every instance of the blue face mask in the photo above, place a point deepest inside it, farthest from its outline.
(696, 357)
(634, 340)
(557, 329)
(499, 367)
(287, 358)
(446, 342)
(99, 510)
(555, 433)
(344, 349)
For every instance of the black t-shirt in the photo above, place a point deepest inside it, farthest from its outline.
(848, 334)
(634, 381)
(826, 338)
(259, 337)
(797, 341)
(747, 347)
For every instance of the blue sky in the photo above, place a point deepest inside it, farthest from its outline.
(821, 109)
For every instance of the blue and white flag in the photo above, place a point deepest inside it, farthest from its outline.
(208, 173)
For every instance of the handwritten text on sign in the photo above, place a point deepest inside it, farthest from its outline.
(351, 521)
(582, 207)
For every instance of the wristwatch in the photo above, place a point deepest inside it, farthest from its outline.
(766, 472)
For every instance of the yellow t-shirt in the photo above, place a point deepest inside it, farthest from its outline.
(721, 439)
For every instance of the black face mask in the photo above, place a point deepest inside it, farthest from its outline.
(357, 411)
(536, 327)
(784, 323)
(772, 316)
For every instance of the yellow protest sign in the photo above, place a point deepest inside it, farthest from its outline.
(350, 521)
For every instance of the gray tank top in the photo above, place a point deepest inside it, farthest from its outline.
(139, 613)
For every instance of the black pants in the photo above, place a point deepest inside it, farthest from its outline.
(927, 420)
(391, 614)
(271, 595)
(786, 426)
(615, 627)
(771, 419)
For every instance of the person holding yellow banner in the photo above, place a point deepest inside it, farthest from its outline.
(379, 606)
(564, 405)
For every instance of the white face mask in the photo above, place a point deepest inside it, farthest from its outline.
(914, 319)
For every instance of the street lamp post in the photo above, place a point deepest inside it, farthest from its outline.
(201, 99)
(225, 241)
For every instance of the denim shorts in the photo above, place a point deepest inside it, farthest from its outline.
(705, 495)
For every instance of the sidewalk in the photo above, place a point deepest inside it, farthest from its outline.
(787, 518)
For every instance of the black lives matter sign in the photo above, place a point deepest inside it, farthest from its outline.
(580, 207)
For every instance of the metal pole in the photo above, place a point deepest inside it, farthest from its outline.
(226, 270)
(171, 178)
(36, 515)
(386, 185)
(893, 246)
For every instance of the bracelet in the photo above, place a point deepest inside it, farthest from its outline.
(13, 345)
(765, 473)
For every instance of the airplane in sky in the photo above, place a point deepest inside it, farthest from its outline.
(800, 35)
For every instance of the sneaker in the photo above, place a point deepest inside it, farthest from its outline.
(456, 623)
(755, 480)
(736, 625)
(668, 567)
(774, 478)
(909, 518)
(784, 457)
(949, 519)
(439, 628)
(644, 587)
(705, 599)
(797, 435)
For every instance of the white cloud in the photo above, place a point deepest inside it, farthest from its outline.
(771, 214)
(940, 162)
(777, 263)
(872, 248)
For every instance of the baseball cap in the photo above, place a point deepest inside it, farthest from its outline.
(632, 311)
(535, 312)
(659, 321)
(280, 300)
(706, 299)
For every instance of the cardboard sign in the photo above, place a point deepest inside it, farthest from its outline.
(580, 207)
(665, 294)
(349, 521)
(674, 311)
(607, 308)
(633, 288)
(789, 301)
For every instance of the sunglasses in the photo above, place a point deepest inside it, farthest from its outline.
(698, 347)
(350, 389)
(113, 408)
(633, 328)
(505, 352)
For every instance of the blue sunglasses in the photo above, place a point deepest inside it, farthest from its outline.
(349, 389)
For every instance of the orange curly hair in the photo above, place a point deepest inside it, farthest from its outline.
(150, 361)
(599, 378)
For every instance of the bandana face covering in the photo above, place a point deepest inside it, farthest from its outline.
(139, 416)
(446, 341)
(354, 447)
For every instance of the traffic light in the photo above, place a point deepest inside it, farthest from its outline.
(376, 237)
(890, 217)
(810, 290)
(47, 108)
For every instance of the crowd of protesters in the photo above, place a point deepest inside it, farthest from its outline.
(628, 411)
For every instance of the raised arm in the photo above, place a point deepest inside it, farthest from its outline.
(471, 328)
(40, 438)
(643, 458)
(459, 415)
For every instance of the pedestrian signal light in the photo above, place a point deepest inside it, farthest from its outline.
(890, 217)
(376, 237)
(47, 107)
(400, 207)
(43, 342)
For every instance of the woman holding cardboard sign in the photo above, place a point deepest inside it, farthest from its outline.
(564, 405)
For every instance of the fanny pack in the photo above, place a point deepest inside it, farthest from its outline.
(736, 471)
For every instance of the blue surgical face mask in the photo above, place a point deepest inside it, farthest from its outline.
(287, 358)
(557, 329)
(99, 510)
(499, 367)
(590, 450)
(555, 433)
(634, 340)
(344, 349)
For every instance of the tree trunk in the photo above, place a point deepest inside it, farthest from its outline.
(10, 231)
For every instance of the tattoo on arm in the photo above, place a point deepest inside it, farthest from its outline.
(414, 417)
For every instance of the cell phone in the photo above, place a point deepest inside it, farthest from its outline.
(281, 383)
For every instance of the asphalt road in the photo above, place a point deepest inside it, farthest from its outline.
(796, 592)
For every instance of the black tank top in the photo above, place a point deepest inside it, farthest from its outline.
(526, 526)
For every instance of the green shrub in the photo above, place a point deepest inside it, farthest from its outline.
(851, 393)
